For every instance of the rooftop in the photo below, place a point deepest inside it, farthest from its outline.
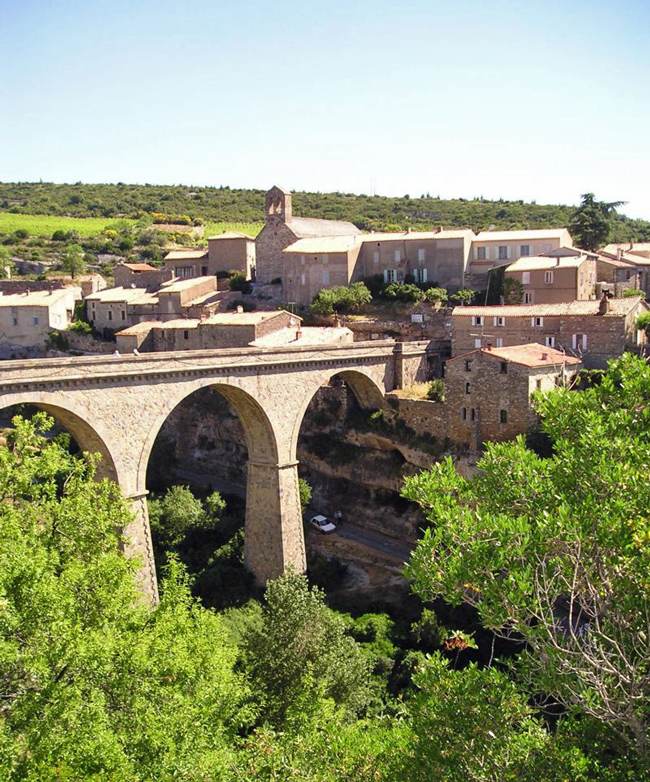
(185, 255)
(139, 267)
(324, 244)
(539, 263)
(185, 283)
(531, 355)
(304, 227)
(231, 235)
(246, 318)
(130, 295)
(309, 335)
(514, 236)
(341, 244)
(617, 308)
(43, 298)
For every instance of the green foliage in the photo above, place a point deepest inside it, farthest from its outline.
(463, 297)
(96, 685)
(406, 292)
(643, 322)
(341, 299)
(80, 327)
(299, 656)
(179, 511)
(630, 293)
(247, 306)
(57, 341)
(436, 391)
(513, 291)
(238, 282)
(72, 260)
(557, 550)
(304, 490)
(590, 224)
(435, 295)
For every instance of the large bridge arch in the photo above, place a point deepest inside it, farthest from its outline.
(274, 536)
(368, 392)
(90, 437)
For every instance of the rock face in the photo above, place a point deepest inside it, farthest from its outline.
(355, 460)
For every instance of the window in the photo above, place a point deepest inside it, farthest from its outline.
(463, 414)
(15, 321)
(504, 368)
(110, 315)
(302, 279)
(499, 320)
(468, 366)
(123, 314)
(579, 341)
(525, 278)
(473, 414)
(326, 276)
(186, 335)
(549, 341)
(503, 417)
(482, 253)
(477, 342)
(477, 320)
(420, 275)
(204, 271)
(536, 322)
(499, 342)
(538, 384)
(548, 278)
(528, 298)
(326, 260)
(390, 275)
(421, 254)
(397, 255)
(504, 252)
(375, 256)
(467, 388)
(186, 271)
(582, 278)
(525, 250)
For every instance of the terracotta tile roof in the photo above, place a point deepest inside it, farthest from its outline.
(324, 244)
(139, 267)
(617, 308)
(185, 255)
(530, 355)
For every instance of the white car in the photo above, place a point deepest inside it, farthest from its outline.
(322, 524)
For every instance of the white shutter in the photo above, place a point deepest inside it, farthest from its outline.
(397, 256)
(487, 253)
(575, 341)
(509, 251)
(476, 253)
(584, 341)
(326, 277)
(385, 275)
(494, 320)
(375, 256)
(424, 275)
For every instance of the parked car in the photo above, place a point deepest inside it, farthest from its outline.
(322, 523)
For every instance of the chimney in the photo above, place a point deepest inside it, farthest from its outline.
(489, 346)
(603, 307)
(240, 309)
(544, 356)
(298, 333)
(619, 253)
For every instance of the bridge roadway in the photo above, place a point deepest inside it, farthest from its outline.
(116, 405)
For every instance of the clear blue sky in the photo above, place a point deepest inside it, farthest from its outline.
(540, 100)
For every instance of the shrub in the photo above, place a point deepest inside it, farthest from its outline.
(238, 282)
(462, 297)
(436, 391)
(247, 306)
(435, 295)
(406, 292)
(276, 281)
(341, 299)
(630, 292)
(80, 327)
(643, 322)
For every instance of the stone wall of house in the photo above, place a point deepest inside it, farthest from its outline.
(269, 244)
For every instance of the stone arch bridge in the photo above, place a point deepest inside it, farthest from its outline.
(116, 405)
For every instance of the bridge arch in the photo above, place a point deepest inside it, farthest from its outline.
(91, 438)
(367, 391)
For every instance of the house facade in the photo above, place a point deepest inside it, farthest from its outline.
(232, 251)
(28, 317)
(550, 279)
(595, 331)
(488, 391)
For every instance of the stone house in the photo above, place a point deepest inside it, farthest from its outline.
(140, 275)
(282, 229)
(113, 308)
(232, 251)
(552, 278)
(595, 331)
(28, 317)
(488, 391)
(438, 257)
(187, 263)
(493, 248)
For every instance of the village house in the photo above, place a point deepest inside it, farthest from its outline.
(554, 277)
(140, 275)
(437, 257)
(493, 248)
(282, 229)
(488, 391)
(187, 263)
(633, 264)
(596, 331)
(232, 251)
(228, 330)
(30, 313)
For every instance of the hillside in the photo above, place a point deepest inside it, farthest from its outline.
(222, 204)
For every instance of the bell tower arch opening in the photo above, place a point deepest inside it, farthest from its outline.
(278, 205)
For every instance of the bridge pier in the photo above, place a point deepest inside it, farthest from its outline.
(138, 544)
(274, 537)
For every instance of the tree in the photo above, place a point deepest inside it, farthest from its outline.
(300, 655)
(72, 260)
(7, 266)
(178, 511)
(463, 297)
(513, 291)
(94, 684)
(643, 322)
(556, 551)
(341, 299)
(304, 490)
(435, 295)
(590, 223)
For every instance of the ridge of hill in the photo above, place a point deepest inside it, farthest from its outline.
(223, 204)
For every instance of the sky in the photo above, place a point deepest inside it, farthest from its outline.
(540, 100)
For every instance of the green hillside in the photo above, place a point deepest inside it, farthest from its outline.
(222, 204)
